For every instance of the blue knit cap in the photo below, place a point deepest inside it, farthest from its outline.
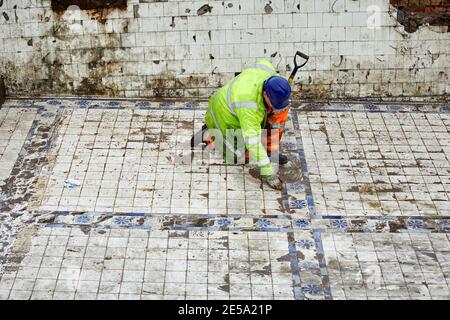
(279, 91)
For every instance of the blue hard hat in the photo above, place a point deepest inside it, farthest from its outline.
(279, 91)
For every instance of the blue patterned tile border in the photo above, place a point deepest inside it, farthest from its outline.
(323, 265)
(295, 268)
(297, 186)
(179, 222)
(301, 224)
(31, 158)
(123, 104)
(384, 224)
(20, 186)
(142, 104)
(50, 109)
(105, 104)
(280, 223)
(310, 290)
(304, 244)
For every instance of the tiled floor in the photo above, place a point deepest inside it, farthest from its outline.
(128, 161)
(103, 204)
(378, 163)
(124, 264)
(14, 127)
(388, 266)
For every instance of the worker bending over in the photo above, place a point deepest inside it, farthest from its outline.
(256, 99)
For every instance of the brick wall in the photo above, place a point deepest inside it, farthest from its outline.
(414, 13)
(151, 48)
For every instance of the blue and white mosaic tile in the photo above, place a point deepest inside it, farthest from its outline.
(299, 226)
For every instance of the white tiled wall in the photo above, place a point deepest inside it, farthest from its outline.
(164, 48)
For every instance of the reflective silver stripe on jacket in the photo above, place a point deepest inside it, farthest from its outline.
(244, 105)
(249, 105)
(227, 143)
(263, 162)
(229, 96)
(263, 67)
(253, 140)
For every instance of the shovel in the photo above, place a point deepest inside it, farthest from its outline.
(297, 66)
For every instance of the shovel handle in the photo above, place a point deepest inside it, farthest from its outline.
(297, 66)
(303, 55)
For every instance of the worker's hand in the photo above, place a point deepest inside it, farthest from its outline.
(273, 181)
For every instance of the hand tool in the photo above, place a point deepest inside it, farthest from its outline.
(297, 66)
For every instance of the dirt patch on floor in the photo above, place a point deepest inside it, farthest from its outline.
(20, 249)
(372, 189)
(255, 173)
(292, 172)
(286, 257)
(323, 129)
(396, 226)
(265, 271)
(333, 264)
(374, 204)
(185, 125)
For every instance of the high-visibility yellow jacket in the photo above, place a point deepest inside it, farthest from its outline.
(240, 105)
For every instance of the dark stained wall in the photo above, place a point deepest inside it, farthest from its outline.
(183, 49)
(2, 91)
(61, 5)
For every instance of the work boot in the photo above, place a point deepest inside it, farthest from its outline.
(282, 159)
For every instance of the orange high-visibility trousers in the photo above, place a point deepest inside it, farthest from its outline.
(275, 126)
